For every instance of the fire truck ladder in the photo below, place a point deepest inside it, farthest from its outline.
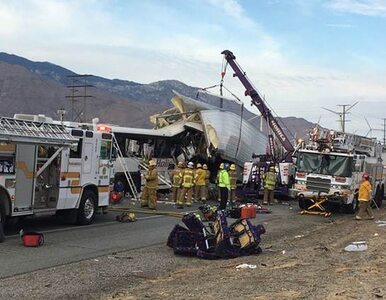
(162, 178)
(128, 176)
(23, 131)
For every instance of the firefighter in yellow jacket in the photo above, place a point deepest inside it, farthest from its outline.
(176, 177)
(364, 198)
(233, 180)
(207, 177)
(199, 183)
(149, 193)
(187, 186)
(269, 185)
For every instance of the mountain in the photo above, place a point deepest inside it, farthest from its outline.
(41, 87)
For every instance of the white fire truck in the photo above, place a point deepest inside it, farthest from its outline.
(48, 167)
(331, 165)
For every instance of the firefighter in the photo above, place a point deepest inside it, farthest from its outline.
(233, 181)
(207, 177)
(149, 193)
(187, 186)
(364, 197)
(269, 185)
(199, 182)
(224, 185)
(176, 177)
(221, 167)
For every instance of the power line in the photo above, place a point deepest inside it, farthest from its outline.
(342, 114)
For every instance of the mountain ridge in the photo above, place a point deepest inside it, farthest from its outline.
(115, 92)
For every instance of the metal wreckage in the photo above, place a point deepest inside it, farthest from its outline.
(209, 133)
(216, 239)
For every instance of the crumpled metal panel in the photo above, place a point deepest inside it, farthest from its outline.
(233, 144)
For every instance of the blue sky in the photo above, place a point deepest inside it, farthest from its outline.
(301, 55)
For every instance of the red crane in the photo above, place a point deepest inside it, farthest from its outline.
(258, 102)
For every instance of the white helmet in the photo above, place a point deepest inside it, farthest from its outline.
(190, 165)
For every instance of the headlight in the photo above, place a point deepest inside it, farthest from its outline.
(10, 183)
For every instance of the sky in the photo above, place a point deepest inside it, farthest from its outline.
(301, 55)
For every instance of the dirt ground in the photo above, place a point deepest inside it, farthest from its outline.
(306, 261)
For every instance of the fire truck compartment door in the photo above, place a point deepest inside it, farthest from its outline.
(88, 157)
(25, 166)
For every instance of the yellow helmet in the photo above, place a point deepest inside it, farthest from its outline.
(232, 167)
(152, 163)
(199, 165)
(222, 166)
(180, 164)
(205, 167)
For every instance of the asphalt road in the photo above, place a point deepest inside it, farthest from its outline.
(68, 243)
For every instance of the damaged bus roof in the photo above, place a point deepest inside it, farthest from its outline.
(226, 133)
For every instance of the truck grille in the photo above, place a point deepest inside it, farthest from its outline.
(318, 184)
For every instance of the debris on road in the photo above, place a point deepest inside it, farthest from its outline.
(246, 266)
(126, 217)
(217, 240)
(356, 247)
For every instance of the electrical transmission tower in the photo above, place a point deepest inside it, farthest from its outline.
(78, 92)
(342, 114)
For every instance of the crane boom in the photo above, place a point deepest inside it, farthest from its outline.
(258, 102)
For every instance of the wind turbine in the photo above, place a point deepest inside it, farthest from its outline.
(370, 128)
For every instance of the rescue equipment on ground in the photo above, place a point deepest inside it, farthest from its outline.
(32, 239)
(126, 217)
(215, 239)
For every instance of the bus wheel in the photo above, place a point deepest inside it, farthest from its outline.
(87, 208)
(2, 221)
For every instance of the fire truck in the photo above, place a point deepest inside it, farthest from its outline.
(331, 166)
(50, 167)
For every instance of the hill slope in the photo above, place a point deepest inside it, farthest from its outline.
(40, 87)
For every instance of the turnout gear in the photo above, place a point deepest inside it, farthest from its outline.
(233, 184)
(364, 198)
(269, 185)
(187, 187)
(149, 193)
(199, 180)
(176, 177)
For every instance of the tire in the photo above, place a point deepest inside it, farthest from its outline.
(2, 221)
(87, 208)
(379, 195)
(353, 206)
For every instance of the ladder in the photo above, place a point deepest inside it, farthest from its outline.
(160, 177)
(128, 176)
(23, 131)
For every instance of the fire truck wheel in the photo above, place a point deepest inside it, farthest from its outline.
(2, 221)
(379, 195)
(87, 208)
(353, 206)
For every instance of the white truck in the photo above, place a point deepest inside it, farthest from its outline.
(48, 167)
(331, 165)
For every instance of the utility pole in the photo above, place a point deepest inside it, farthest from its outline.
(342, 114)
(384, 132)
(78, 84)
